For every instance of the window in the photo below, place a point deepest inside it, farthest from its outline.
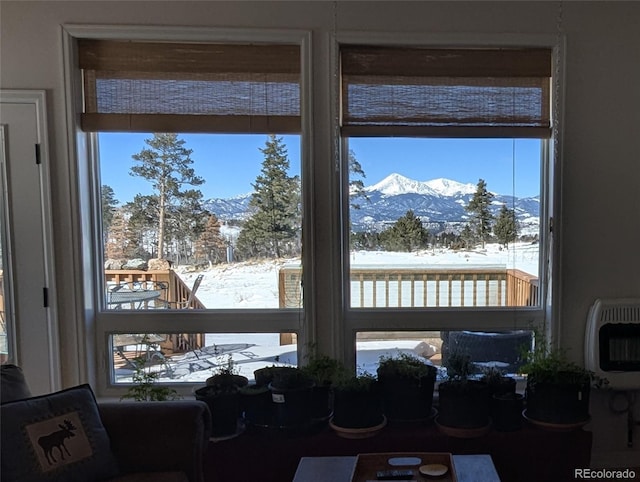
(445, 153)
(199, 183)
(354, 284)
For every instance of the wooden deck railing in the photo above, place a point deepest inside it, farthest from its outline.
(177, 291)
(379, 287)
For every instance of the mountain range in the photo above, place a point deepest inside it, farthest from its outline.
(439, 203)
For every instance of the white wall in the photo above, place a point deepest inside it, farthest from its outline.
(600, 226)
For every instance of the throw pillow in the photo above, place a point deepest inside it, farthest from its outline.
(55, 438)
(13, 386)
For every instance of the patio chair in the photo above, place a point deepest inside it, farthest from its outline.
(186, 303)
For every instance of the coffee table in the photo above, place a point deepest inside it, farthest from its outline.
(469, 468)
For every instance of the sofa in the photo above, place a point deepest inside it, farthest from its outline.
(68, 436)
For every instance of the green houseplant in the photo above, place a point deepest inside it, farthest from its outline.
(145, 386)
(558, 389)
(222, 394)
(357, 406)
(406, 384)
(464, 402)
(506, 405)
(325, 372)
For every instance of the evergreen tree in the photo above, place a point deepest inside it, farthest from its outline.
(407, 234)
(506, 227)
(274, 226)
(467, 236)
(142, 224)
(123, 242)
(356, 183)
(186, 221)
(211, 244)
(166, 163)
(478, 207)
(109, 205)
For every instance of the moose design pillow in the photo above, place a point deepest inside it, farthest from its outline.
(54, 438)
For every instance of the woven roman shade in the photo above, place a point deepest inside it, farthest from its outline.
(396, 91)
(190, 87)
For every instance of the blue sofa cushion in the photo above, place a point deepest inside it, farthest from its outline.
(54, 438)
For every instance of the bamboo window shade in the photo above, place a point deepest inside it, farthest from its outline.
(190, 87)
(446, 92)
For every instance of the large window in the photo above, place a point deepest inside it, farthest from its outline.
(424, 192)
(445, 158)
(199, 188)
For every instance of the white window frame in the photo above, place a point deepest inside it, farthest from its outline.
(483, 318)
(326, 322)
(99, 323)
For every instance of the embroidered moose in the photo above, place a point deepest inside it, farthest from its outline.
(56, 440)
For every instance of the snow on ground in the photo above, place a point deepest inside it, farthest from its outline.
(253, 284)
(247, 285)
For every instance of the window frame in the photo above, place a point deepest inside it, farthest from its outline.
(455, 318)
(327, 322)
(98, 323)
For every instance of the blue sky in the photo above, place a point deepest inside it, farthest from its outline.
(230, 164)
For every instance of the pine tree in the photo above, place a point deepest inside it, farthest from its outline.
(407, 234)
(478, 207)
(506, 227)
(356, 183)
(109, 205)
(166, 163)
(467, 236)
(211, 245)
(122, 242)
(274, 226)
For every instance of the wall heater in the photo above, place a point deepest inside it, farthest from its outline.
(612, 342)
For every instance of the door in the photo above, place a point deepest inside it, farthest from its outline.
(31, 324)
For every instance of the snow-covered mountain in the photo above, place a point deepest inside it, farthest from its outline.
(395, 184)
(439, 203)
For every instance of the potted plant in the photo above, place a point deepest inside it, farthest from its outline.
(257, 406)
(464, 402)
(357, 406)
(145, 387)
(505, 404)
(222, 395)
(406, 384)
(291, 395)
(324, 371)
(257, 403)
(557, 390)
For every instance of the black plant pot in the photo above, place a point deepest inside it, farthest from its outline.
(557, 403)
(257, 406)
(224, 408)
(506, 411)
(464, 404)
(407, 398)
(504, 385)
(357, 409)
(321, 403)
(292, 406)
